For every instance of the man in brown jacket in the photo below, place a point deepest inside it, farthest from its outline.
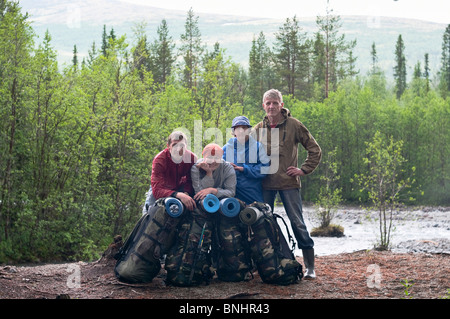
(281, 134)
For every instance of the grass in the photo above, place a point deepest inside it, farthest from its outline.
(331, 230)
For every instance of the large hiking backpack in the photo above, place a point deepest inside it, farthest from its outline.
(233, 260)
(188, 262)
(274, 259)
(233, 254)
(139, 258)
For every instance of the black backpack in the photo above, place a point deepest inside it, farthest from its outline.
(138, 260)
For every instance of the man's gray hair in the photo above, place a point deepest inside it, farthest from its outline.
(273, 94)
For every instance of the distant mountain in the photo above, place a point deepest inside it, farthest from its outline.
(80, 22)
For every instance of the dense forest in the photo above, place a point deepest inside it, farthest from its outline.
(76, 144)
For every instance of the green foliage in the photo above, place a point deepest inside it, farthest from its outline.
(447, 295)
(260, 77)
(77, 143)
(444, 83)
(329, 196)
(290, 56)
(400, 67)
(407, 285)
(334, 54)
(384, 181)
(192, 50)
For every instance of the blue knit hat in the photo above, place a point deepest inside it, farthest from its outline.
(240, 120)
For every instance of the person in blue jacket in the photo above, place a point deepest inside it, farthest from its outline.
(249, 158)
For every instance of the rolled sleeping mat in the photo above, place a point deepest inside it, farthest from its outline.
(174, 207)
(230, 207)
(250, 215)
(210, 203)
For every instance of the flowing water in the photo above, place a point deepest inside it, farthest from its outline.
(411, 230)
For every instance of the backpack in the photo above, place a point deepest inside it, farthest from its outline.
(270, 252)
(138, 260)
(233, 254)
(188, 263)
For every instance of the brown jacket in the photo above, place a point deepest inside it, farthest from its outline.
(290, 132)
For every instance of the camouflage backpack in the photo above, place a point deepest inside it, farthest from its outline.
(188, 263)
(233, 258)
(274, 259)
(138, 260)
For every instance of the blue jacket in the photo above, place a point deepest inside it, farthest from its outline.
(252, 157)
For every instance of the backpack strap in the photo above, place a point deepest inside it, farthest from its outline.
(130, 239)
(197, 252)
(290, 238)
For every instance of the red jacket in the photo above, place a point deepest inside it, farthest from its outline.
(168, 177)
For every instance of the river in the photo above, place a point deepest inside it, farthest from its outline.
(426, 229)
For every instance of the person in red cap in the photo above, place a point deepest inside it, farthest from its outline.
(213, 175)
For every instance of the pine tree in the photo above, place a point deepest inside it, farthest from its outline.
(112, 35)
(75, 57)
(105, 43)
(419, 84)
(260, 74)
(350, 70)
(339, 59)
(373, 54)
(163, 56)
(445, 61)
(92, 54)
(400, 67)
(318, 59)
(417, 71)
(426, 73)
(254, 72)
(291, 56)
(375, 69)
(191, 50)
(141, 51)
(376, 80)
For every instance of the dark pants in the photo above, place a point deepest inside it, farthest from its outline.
(292, 202)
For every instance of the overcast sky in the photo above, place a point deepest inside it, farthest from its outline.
(429, 10)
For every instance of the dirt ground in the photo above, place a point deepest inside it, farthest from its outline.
(357, 275)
